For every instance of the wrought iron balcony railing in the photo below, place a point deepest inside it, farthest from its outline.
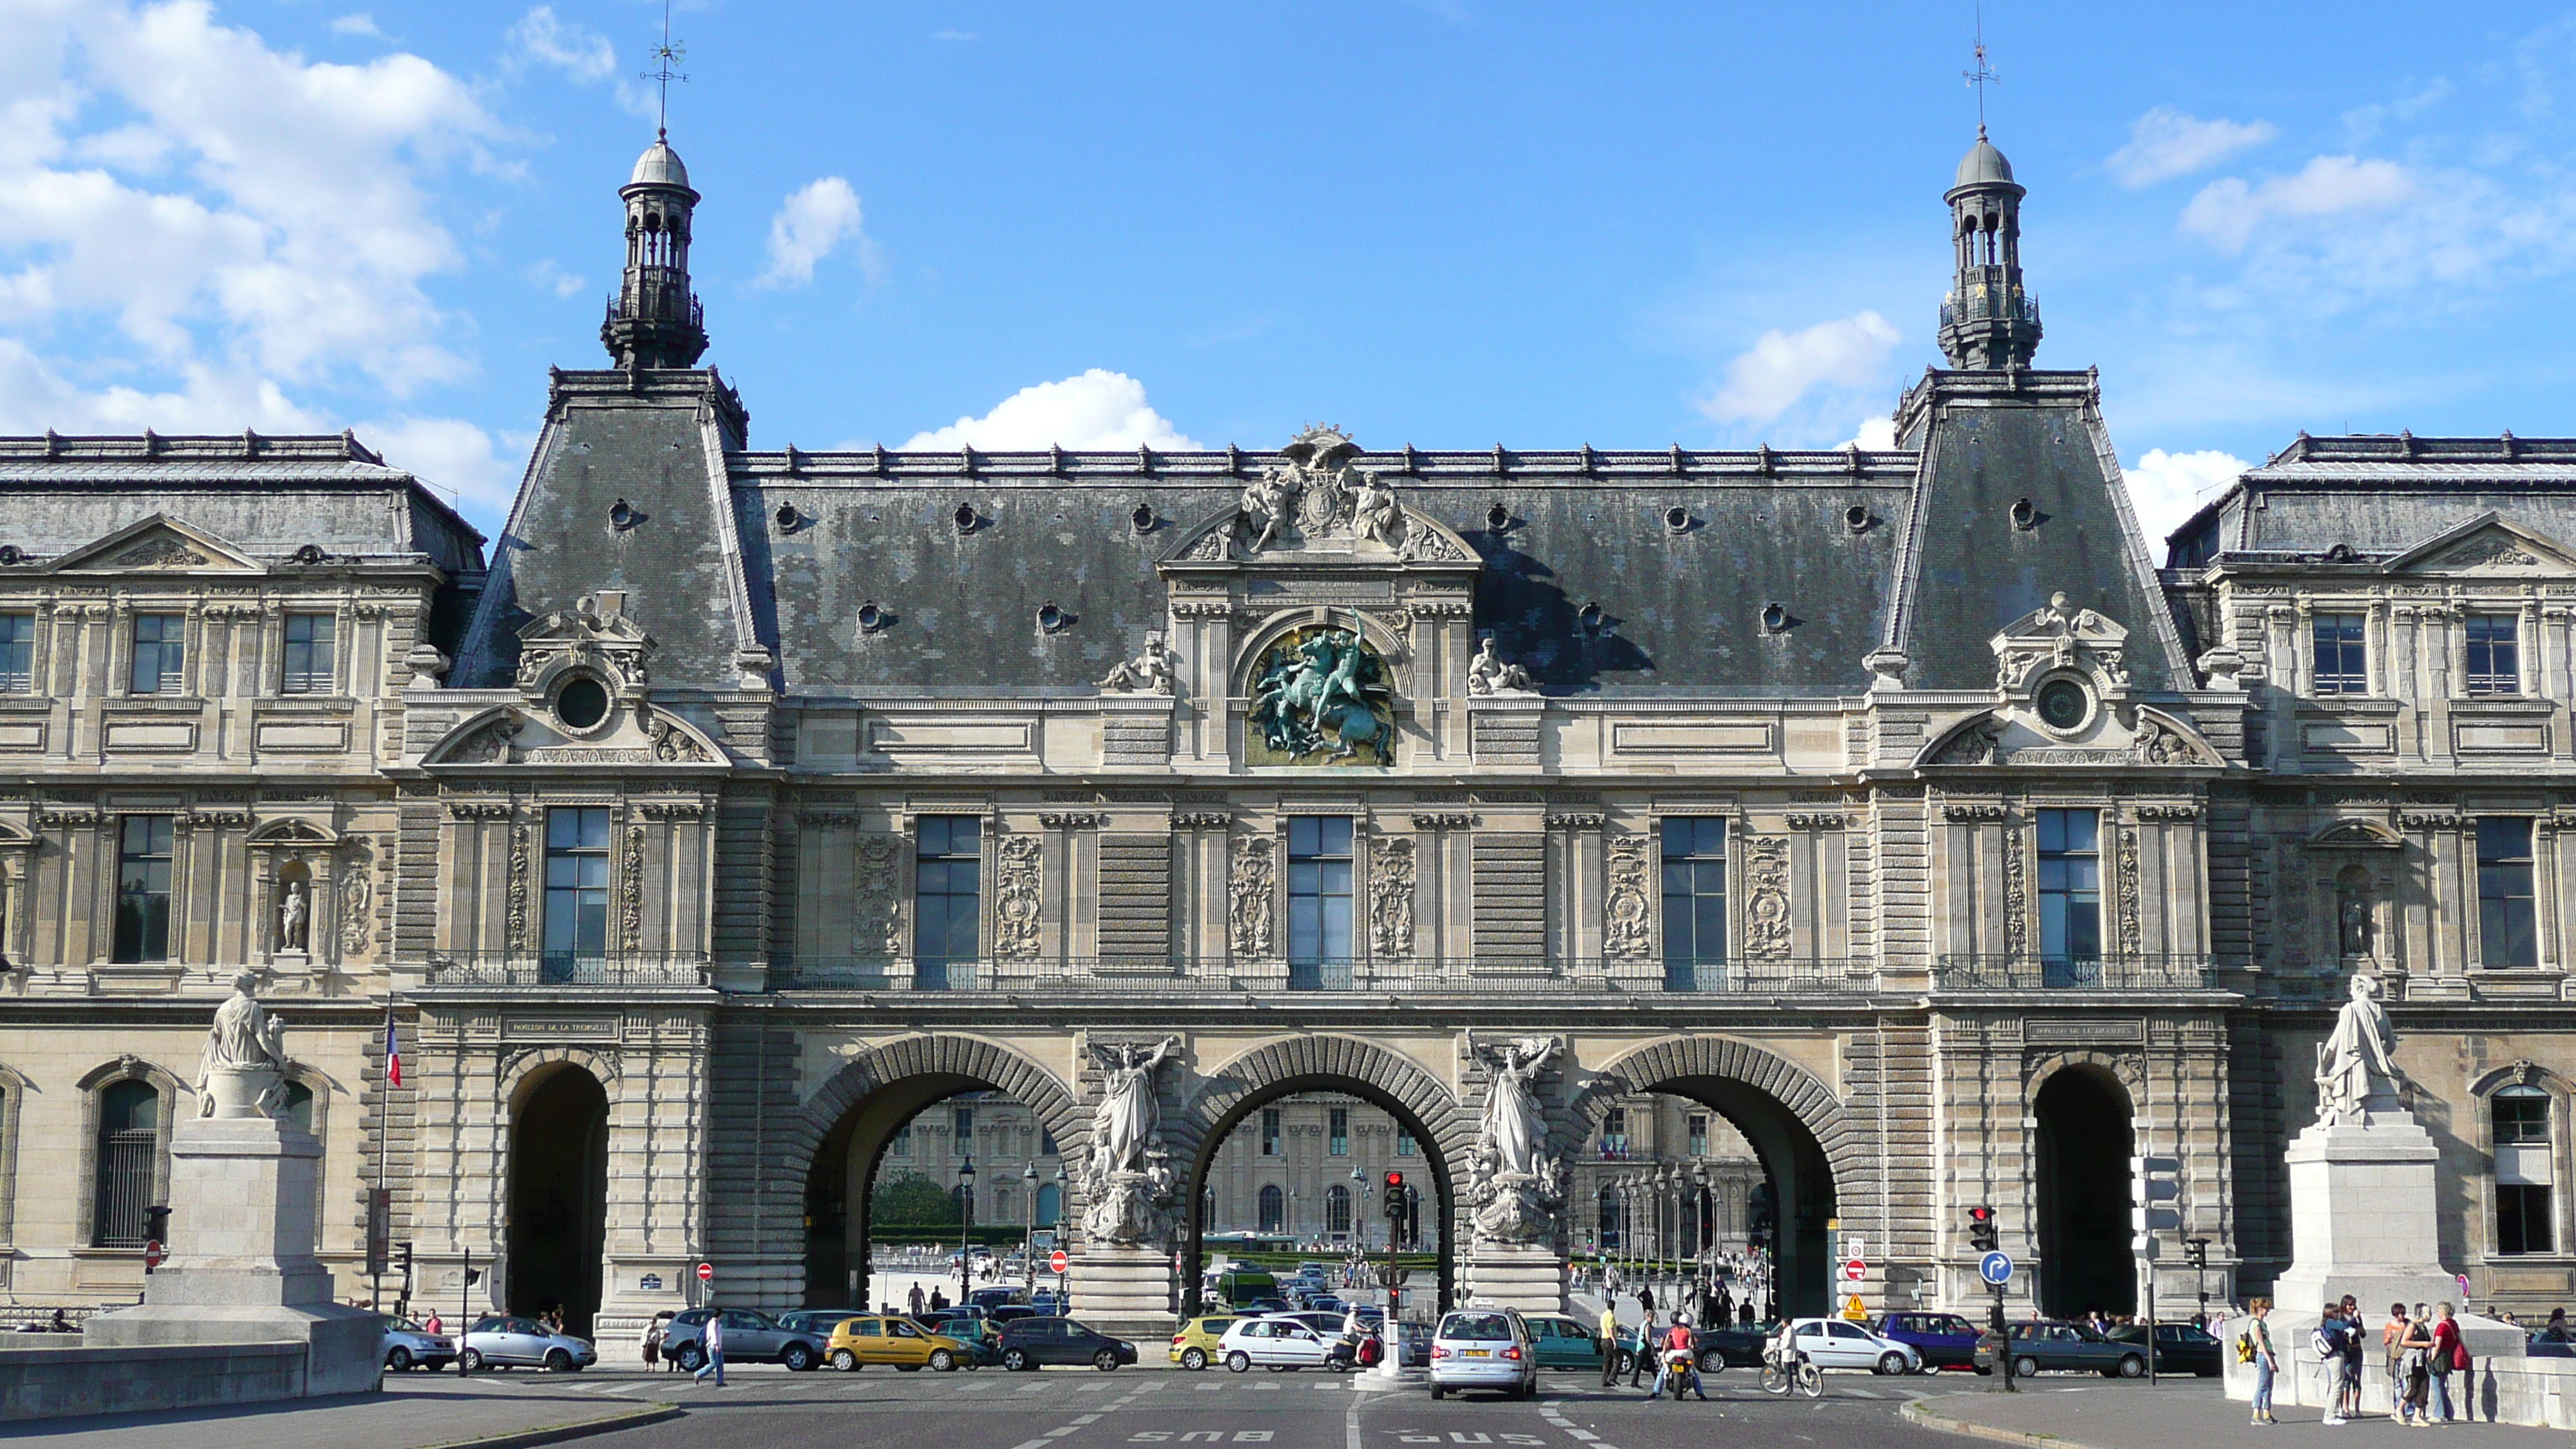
(2074, 973)
(1135, 976)
(567, 968)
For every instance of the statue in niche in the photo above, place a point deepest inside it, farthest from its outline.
(2352, 912)
(294, 917)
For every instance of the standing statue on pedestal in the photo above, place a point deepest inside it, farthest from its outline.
(242, 1071)
(1515, 1188)
(1127, 1195)
(2356, 1066)
(292, 915)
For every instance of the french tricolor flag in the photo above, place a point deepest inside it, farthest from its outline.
(393, 1052)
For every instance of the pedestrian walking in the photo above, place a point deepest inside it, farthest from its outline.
(2353, 1354)
(916, 1300)
(653, 1343)
(1646, 1302)
(2450, 1355)
(2258, 1341)
(713, 1342)
(1609, 1343)
(2419, 1376)
(2328, 1342)
(2555, 1330)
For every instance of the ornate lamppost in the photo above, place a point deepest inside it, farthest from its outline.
(965, 1219)
(1029, 1240)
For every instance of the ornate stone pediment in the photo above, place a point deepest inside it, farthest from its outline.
(158, 544)
(1313, 502)
(2016, 736)
(634, 734)
(2486, 544)
(2356, 835)
(596, 632)
(2060, 639)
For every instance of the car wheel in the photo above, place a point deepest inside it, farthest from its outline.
(690, 1358)
(1438, 1392)
(1106, 1361)
(1891, 1364)
(1238, 1362)
(1712, 1362)
(844, 1360)
(558, 1361)
(1194, 1359)
(2132, 1366)
(1016, 1360)
(798, 1357)
(399, 1360)
(2025, 1368)
(470, 1361)
(943, 1361)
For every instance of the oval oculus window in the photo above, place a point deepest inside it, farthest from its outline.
(2062, 704)
(582, 703)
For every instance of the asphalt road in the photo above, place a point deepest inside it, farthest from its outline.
(767, 1408)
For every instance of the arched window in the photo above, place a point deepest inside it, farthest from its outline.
(1609, 1211)
(1006, 1206)
(2525, 1171)
(1337, 1209)
(1274, 1214)
(129, 1144)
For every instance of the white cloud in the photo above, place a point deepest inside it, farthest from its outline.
(540, 38)
(1781, 368)
(479, 471)
(2229, 211)
(1098, 409)
(2164, 143)
(34, 396)
(360, 23)
(1877, 434)
(811, 224)
(553, 278)
(2166, 487)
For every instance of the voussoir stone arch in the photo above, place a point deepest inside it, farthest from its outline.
(1783, 1081)
(1217, 1094)
(523, 1070)
(942, 1055)
(2126, 1072)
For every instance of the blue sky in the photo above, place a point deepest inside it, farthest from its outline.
(1447, 223)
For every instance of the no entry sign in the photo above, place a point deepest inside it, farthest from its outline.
(1057, 1262)
(706, 1272)
(1855, 1270)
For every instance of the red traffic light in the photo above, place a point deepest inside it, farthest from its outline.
(1981, 1214)
(1394, 1180)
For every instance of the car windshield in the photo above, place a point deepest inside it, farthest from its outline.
(1477, 1327)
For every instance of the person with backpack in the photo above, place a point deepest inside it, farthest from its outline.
(2327, 1343)
(2449, 1356)
(2254, 1346)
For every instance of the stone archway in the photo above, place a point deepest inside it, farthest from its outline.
(837, 1141)
(2083, 1128)
(1806, 1143)
(558, 1194)
(1219, 1098)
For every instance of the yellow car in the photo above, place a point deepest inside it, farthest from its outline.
(857, 1342)
(1194, 1342)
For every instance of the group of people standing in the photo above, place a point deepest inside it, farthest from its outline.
(2421, 1348)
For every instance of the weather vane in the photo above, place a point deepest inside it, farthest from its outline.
(667, 55)
(1977, 79)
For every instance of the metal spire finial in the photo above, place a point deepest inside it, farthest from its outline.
(666, 55)
(1983, 75)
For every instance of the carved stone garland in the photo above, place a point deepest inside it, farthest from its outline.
(878, 899)
(1391, 876)
(630, 893)
(1250, 886)
(2016, 896)
(1018, 893)
(2132, 937)
(519, 886)
(1767, 933)
(1629, 927)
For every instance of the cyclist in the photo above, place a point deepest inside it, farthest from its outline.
(1680, 1356)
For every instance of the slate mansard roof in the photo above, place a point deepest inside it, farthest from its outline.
(2369, 498)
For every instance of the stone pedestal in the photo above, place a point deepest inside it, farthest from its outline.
(1530, 1277)
(1124, 1291)
(2362, 1218)
(241, 1266)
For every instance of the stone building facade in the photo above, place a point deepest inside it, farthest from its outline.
(1894, 806)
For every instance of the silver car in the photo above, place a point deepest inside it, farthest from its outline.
(499, 1342)
(407, 1345)
(1483, 1348)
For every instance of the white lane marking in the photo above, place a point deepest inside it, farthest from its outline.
(1033, 1388)
(1863, 1394)
(1087, 1419)
(1031, 1444)
(1351, 1424)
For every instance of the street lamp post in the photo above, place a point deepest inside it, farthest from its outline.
(1703, 1225)
(1671, 1195)
(965, 1219)
(1063, 1292)
(1029, 1242)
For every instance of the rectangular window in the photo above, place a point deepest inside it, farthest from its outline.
(2521, 1117)
(160, 653)
(143, 888)
(1319, 903)
(2522, 1219)
(2507, 937)
(1338, 1143)
(961, 1124)
(1046, 1142)
(1614, 1135)
(576, 891)
(2070, 896)
(901, 1146)
(947, 900)
(1694, 904)
(1698, 1135)
(2343, 663)
(308, 654)
(1270, 1132)
(17, 653)
(2495, 654)
(1405, 1146)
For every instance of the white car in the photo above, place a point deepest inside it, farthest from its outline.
(1276, 1342)
(1841, 1343)
(407, 1345)
(498, 1341)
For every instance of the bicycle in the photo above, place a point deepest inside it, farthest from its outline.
(1803, 1376)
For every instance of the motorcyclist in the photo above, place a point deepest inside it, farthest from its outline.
(1680, 1355)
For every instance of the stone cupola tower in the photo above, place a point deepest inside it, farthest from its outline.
(1988, 323)
(654, 320)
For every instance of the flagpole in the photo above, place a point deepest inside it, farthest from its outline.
(384, 1150)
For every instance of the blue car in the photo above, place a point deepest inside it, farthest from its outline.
(1944, 1339)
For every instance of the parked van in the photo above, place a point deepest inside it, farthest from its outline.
(1239, 1286)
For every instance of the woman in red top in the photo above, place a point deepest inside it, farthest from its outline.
(2448, 1354)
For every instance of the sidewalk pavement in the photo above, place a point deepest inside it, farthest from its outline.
(432, 1411)
(2128, 1415)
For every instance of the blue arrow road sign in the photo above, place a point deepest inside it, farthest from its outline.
(1996, 1269)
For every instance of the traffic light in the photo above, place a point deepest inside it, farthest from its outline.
(1982, 1236)
(1395, 1197)
(2156, 1198)
(2195, 1252)
(402, 1257)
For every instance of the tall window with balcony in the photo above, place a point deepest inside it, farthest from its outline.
(2495, 654)
(1270, 1132)
(2070, 897)
(1319, 903)
(1614, 1135)
(2525, 1171)
(17, 653)
(308, 655)
(2343, 661)
(128, 1148)
(160, 654)
(1337, 1140)
(576, 927)
(143, 888)
(2508, 932)
(1337, 1210)
(947, 901)
(1694, 904)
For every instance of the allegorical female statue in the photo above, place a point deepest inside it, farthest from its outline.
(2356, 1068)
(1515, 1129)
(1128, 1114)
(242, 1070)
